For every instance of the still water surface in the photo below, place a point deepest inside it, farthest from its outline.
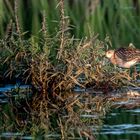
(119, 124)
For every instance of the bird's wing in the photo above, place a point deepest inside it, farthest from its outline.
(127, 54)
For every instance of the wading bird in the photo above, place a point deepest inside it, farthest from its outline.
(124, 57)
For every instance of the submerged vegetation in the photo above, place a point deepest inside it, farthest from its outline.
(54, 65)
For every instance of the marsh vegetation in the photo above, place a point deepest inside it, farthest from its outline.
(45, 51)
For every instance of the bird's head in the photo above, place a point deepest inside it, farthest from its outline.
(109, 53)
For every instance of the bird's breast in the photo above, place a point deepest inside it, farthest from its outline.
(129, 64)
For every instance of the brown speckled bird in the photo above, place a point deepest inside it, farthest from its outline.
(124, 57)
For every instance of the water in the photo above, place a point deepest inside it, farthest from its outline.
(10, 87)
(121, 124)
(12, 91)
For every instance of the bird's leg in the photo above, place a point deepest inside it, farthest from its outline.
(134, 74)
(138, 72)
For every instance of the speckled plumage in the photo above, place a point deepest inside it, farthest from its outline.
(124, 57)
(127, 54)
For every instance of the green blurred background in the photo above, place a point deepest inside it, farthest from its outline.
(120, 19)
